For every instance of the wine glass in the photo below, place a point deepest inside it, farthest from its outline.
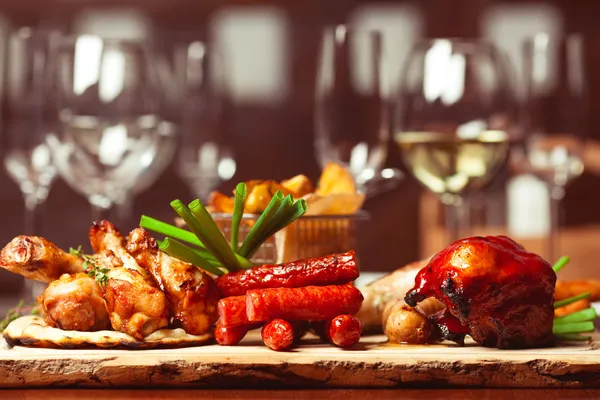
(27, 120)
(110, 103)
(455, 110)
(351, 117)
(555, 116)
(205, 158)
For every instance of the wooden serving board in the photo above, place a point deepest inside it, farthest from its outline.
(372, 363)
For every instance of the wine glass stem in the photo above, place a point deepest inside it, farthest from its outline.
(557, 193)
(32, 214)
(457, 217)
(100, 208)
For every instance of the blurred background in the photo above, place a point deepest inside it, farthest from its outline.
(271, 55)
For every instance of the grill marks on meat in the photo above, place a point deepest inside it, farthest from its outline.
(36, 258)
(191, 292)
(491, 285)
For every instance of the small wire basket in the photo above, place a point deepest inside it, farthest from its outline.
(307, 237)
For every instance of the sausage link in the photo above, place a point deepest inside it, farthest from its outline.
(330, 270)
(232, 311)
(311, 303)
(278, 334)
(344, 330)
(229, 336)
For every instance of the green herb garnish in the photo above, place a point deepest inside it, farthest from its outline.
(18, 311)
(207, 247)
(568, 327)
(91, 267)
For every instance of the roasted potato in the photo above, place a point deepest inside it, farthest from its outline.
(566, 289)
(299, 185)
(335, 179)
(571, 308)
(260, 194)
(220, 203)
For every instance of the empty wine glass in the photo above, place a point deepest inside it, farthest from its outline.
(455, 112)
(206, 157)
(351, 117)
(27, 121)
(110, 103)
(555, 117)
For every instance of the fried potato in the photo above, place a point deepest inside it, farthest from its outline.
(335, 179)
(220, 203)
(566, 289)
(299, 185)
(260, 194)
(571, 308)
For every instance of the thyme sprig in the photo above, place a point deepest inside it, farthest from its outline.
(19, 310)
(91, 267)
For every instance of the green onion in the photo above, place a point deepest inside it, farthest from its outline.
(179, 250)
(285, 208)
(238, 212)
(574, 327)
(588, 314)
(163, 228)
(560, 264)
(214, 241)
(570, 300)
(257, 234)
(573, 337)
(298, 209)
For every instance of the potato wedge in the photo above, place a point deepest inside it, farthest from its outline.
(220, 203)
(299, 185)
(335, 204)
(335, 179)
(261, 194)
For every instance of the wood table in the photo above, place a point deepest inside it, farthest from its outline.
(341, 394)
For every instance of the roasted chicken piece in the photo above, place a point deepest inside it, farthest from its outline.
(74, 302)
(38, 259)
(135, 304)
(192, 293)
(494, 289)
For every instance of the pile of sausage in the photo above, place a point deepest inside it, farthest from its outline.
(288, 300)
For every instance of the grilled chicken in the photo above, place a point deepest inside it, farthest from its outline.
(74, 302)
(38, 259)
(493, 289)
(191, 292)
(135, 304)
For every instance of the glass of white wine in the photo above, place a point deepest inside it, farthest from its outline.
(555, 117)
(453, 113)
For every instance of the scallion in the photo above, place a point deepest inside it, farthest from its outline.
(202, 229)
(574, 327)
(178, 250)
(163, 228)
(257, 234)
(566, 302)
(572, 337)
(238, 212)
(560, 264)
(588, 314)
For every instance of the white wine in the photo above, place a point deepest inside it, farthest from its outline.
(447, 164)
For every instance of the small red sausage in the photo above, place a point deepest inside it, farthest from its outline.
(278, 334)
(311, 303)
(229, 336)
(344, 330)
(232, 311)
(335, 269)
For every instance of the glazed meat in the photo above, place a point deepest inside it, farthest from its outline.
(191, 292)
(135, 304)
(38, 259)
(494, 289)
(74, 302)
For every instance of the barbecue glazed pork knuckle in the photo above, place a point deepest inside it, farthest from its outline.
(496, 289)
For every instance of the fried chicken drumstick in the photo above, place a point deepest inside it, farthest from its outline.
(493, 289)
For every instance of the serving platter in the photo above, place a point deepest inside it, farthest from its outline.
(371, 363)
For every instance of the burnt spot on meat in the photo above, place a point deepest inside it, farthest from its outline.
(456, 295)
